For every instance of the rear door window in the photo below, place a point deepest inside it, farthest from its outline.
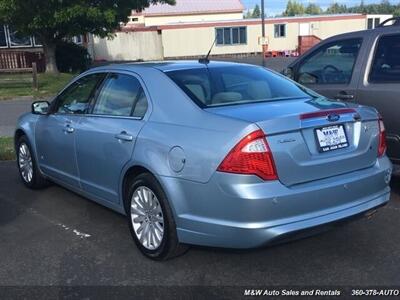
(121, 95)
(386, 64)
(332, 63)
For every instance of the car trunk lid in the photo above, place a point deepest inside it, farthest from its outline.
(291, 127)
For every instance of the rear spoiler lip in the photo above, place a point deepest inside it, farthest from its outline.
(324, 113)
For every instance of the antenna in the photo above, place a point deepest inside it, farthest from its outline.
(205, 60)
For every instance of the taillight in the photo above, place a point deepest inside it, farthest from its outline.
(382, 138)
(251, 156)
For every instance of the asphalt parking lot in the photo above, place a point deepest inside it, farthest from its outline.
(55, 237)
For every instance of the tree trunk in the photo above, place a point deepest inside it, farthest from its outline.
(49, 48)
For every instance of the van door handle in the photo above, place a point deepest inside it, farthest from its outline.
(69, 129)
(344, 96)
(124, 136)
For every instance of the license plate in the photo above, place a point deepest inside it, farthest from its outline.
(331, 138)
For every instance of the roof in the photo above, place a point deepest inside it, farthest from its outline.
(185, 7)
(245, 22)
(166, 66)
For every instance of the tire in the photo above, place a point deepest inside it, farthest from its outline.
(31, 175)
(154, 244)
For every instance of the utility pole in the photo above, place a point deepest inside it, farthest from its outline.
(263, 30)
(262, 19)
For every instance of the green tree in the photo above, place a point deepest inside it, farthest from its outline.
(384, 7)
(248, 15)
(313, 9)
(294, 8)
(256, 12)
(396, 11)
(54, 20)
(336, 8)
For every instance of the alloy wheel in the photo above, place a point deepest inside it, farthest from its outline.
(147, 218)
(25, 162)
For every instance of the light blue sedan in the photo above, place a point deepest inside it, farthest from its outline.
(207, 153)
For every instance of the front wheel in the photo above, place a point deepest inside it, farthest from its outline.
(27, 167)
(150, 219)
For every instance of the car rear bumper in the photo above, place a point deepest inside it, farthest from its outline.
(236, 211)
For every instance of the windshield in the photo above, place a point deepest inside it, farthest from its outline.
(217, 86)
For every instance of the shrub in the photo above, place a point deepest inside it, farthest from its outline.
(71, 57)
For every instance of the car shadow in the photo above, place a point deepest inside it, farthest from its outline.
(395, 183)
(15, 198)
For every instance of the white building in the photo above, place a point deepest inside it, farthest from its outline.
(188, 29)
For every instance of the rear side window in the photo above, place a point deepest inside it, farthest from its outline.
(121, 95)
(386, 64)
(226, 85)
(332, 63)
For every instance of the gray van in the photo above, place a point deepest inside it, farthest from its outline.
(361, 67)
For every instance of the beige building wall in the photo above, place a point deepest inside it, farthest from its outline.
(197, 41)
(163, 20)
(144, 45)
(188, 40)
(289, 42)
(325, 29)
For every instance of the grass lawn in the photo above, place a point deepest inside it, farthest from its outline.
(7, 148)
(49, 85)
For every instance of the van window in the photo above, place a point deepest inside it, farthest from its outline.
(332, 63)
(386, 63)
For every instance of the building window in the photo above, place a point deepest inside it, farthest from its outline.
(78, 39)
(132, 19)
(370, 24)
(280, 30)
(377, 22)
(17, 40)
(231, 35)
(3, 38)
(36, 41)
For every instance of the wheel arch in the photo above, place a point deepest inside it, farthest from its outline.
(135, 170)
(17, 135)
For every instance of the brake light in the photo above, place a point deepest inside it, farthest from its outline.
(251, 156)
(382, 138)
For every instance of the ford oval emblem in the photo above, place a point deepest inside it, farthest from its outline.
(333, 117)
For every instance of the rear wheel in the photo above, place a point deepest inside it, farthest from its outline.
(27, 167)
(150, 219)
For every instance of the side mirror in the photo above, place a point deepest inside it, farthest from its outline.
(288, 72)
(40, 107)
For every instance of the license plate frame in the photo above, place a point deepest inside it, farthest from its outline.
(324, 146)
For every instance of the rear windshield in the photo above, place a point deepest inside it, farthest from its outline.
(217, 86)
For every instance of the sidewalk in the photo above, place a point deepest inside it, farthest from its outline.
(10, 110)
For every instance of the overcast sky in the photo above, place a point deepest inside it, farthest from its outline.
(274, 7)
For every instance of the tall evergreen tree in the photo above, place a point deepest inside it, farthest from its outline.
(294, 8)
(313, 9)
(256, 12)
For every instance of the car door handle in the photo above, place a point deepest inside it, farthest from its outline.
(124, 136)
(69, 129)
(344, 96)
